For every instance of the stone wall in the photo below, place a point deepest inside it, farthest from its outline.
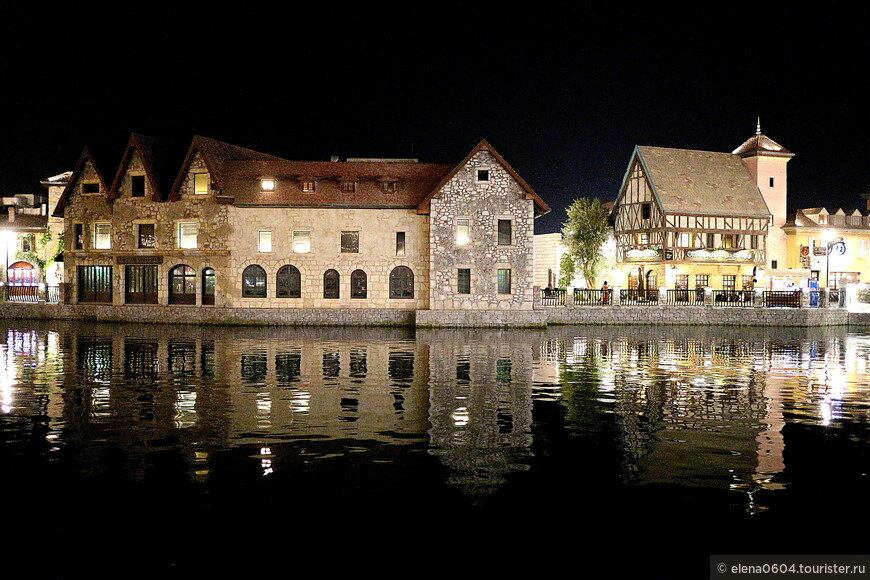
(697, 315)
(483, 203)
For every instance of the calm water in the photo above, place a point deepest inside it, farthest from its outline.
(128, 448)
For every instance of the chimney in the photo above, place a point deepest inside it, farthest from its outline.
(11, 214)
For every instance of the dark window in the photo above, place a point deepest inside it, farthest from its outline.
(137, 186)
(682, 282)
(483, 174)
(401, 282)
(504, 233)
(141, 285)
(90, 188)
(79, 236)
(463, 284)
(95, 283)
(146, 236)
(331, 284)
(28, 243)
(645, 211)
(504, 281)
(350, 242)
(711, 240)
(254, 282)
(358, 281)
(182, 285)
(771, 182)
(753, 242)
(208, 280)
(400, 243)
(773, 264)
(288, 282)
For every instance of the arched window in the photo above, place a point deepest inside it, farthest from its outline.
(331, 284)
(288, 282)
(358, 284)
(208, 280)
(254, 282)
(401, 282)
(182, 285)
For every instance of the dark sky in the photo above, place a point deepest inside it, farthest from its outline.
(563, 91)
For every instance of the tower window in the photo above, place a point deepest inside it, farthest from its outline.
(771, 182)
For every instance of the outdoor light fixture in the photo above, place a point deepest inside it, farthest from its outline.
(267, 185)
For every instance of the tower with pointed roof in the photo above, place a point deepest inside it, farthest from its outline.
(766, 161)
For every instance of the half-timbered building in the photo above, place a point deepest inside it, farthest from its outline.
(698, 219)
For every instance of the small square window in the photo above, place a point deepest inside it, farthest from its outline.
(102, 236)
(200, 183)
(388, 186)
(267, 185)
(137, 186)
(265, 241)
(348, 186)
(349, 242)
(90, 188)
(483, 175)
(187, 234)
(301, 242)
(146, 237)
(463, 231)
(308, 185)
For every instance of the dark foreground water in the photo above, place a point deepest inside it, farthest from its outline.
(587, 452)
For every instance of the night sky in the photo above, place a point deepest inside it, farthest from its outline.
(563, 91)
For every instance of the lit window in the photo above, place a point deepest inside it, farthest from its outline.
(504, 281)
(702, 280)
(348, 186)
(187, 235)
(728, 241)
(482, 175)
(463, 231)
(265, 241)
(349, 242)
(505, 237)
(683, 240)
(102, 236)
(267, 185)
(301, 242)
(200, 183)
(388, 186)
(308, 185)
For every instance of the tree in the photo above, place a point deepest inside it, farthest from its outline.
(567, 269)
(584, 235)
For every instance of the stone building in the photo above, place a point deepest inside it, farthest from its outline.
(237, 228)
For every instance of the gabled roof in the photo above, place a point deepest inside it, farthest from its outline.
(540, 207)
(700, 182)
(84, 158)
(156, 161)
(760, 144)
(215, 154)
(413, 181)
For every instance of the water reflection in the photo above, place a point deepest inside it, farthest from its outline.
(481, 413)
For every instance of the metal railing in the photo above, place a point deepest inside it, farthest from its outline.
(685, 297)
(728, 297)
(552, 296)
(52, 294)
(639, 297)
(21, 293)
(591, 297)
(781, 299)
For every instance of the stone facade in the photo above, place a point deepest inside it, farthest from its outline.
(484, 204)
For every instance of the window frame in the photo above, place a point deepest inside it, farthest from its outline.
(358, 284)
(401, 283)
(135, 180)
(264, 240)
(294, 241)
(254, 272)
(463, 281)
(459, 227)
(505, 238)
(139, 244)
(179, 236)
(288, 282)
(350, 248)
(198, 187)
(107, 234)
(504, 281)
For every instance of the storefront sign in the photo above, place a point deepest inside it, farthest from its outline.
(138, 260)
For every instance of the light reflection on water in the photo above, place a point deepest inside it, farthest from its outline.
(480, 418)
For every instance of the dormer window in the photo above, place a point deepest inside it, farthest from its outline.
(308, 185)
(483, 175)
(267, 185)
(388, 185)
(90, 188)
(348, 185)
(137, 186)
(823, 219)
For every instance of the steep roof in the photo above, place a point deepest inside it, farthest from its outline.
(84, 158)
(216, 155)
(413, 182)
(157, 162)
(540, 206)
(760, 144)
(701, 182)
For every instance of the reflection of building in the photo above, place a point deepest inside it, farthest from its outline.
(687, 219)
(237, 228)
(29, 240)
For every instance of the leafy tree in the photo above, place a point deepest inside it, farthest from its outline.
(567, 269)
(584, 234)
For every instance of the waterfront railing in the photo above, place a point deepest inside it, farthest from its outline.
(592, 297)
(553, 297)
(685, 297)
(781, 299)
(21, 293)
(634, 297)
(729, 297)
